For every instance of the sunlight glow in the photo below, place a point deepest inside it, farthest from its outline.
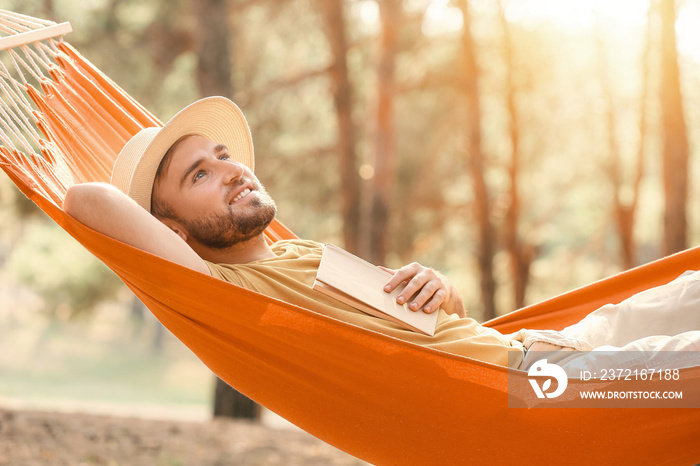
(441, 18)
(368, 13)
(579, 14)
(567, 14)
(688, 32)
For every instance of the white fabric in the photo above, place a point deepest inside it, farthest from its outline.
(646, 330)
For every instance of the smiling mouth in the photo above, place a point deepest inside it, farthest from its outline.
(241, 195)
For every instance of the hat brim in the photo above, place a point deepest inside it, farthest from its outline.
(215, 118)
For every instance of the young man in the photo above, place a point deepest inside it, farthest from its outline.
(187, 193)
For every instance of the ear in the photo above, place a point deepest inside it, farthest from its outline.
(175, 226)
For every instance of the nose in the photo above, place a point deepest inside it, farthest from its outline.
(232, 171)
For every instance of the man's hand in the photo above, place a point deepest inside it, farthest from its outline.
(425, 289)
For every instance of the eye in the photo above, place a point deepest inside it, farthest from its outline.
(224, 156)
(197, 176)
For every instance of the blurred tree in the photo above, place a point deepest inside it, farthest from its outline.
(214, 69)
(49, 11)
(625, 196)
(335, 28)
(283, 82)
(167, 37)
(521, 253)
(212, 47)
(384, 146)
(476, 161)
(675, 140)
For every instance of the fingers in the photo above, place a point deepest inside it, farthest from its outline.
(424, 288)
(399, 277)
(429, 298)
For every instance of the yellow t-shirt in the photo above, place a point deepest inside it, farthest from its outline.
(289, 277)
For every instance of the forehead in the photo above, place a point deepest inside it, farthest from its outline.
(192, 147)
(186, 150)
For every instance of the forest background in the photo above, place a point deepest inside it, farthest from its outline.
(522, 147)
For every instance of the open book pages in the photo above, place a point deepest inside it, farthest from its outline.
(360, 284)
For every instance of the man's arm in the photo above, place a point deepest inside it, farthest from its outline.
(104, 208)
(432, 290)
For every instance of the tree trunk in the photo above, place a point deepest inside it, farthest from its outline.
(214, 78)
(486, 249)
(166, 39)
(384, 135)
(521, 254)
(675, 142)
(624, 215)
(342, 97)
(626, 197)
(213, 53)
(48, 11)
(230, 403)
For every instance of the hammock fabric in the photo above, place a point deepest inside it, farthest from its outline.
(380, 399)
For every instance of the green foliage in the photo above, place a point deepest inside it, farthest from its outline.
(69, 278)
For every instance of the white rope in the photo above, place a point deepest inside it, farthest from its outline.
(17, 68)
(37, 59)
(9, 30)
(19, 131)
(24, 19)
(14, 56)
(18, 127)
(8, 124)
(31, 59)
(17, 109)
(43, 49)
(21, 100)
(20, 88)
(5, 140)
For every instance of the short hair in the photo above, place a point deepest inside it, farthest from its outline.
(159, 207)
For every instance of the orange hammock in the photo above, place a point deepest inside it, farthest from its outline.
(380, 399)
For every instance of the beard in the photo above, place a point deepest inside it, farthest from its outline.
(231, 228)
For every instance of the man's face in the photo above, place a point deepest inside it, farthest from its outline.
(216, 201)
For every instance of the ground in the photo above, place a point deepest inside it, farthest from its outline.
(46, 438)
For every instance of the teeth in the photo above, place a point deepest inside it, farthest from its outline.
(243, 193)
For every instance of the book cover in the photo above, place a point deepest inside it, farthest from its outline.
(360, 284)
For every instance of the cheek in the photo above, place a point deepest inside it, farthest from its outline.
(207, 197)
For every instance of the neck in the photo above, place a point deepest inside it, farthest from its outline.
(247, 251)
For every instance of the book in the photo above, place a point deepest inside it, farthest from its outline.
(359, 284)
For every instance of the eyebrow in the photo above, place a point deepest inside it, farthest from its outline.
(217, 149)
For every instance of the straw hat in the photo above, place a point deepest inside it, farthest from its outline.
(215, 118)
